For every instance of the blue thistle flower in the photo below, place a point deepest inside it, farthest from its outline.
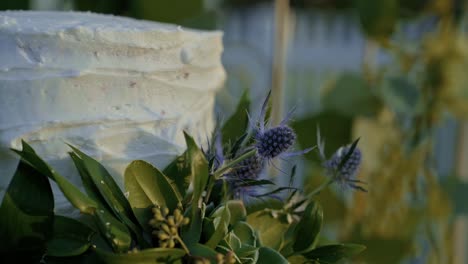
(343, 165)
(274, 141)
(249, 168)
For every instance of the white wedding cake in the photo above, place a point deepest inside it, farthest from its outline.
(117, 88)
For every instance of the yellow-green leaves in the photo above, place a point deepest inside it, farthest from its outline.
(26, 215)
(70, 237)
(308, 228)
(147, 186)
(80, 201)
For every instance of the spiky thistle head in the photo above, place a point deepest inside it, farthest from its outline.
(344, 165)
(274, 141)
(249, 168)
(350, 166)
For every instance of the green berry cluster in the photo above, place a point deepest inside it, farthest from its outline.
(166, 226)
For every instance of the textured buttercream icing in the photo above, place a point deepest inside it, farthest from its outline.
(117, 88)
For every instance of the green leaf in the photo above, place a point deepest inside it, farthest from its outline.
(237, 124)
(153, 255)
(234, 242)
(70, 237)
(89, 186)
(105, 184)
(26, 215)
(333, 253)
(80, 201)
(308, 228)
(269, 229)
(245, 233)
(180, 173)
(114, 231)
(268, 255)
(221, 220)
(401, 95)
(142, 176)
(378, 18)
(351, 96)
(297, 259)
(200, 250)
(199, 168)
(254, 204)
(237, 211)
(191, 234)
(98, 176)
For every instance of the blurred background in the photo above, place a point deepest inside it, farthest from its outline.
(392, 72)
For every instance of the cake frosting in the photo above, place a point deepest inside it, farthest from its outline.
(117, 88)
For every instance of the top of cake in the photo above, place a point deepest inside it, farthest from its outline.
(53, 22)
(75, 43)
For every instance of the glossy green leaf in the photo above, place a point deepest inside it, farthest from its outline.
(308, 228)
(114, 231)
(106, 185)
(245, 233)
(138, 199)
(269, 229)
(234, 242)
(153, 255)
(254, 204)
(199, 168)
(70, 237)
(179, 171)
(140, 175)
(191, 234)
(334, 253)
(26, 215)
(268, 255)
(237, 124)
(80, 201)
(115, 234)
(98, 176)
(248, 254)
(237, 211)
(89, 186)
(221, 218)
(200, 250)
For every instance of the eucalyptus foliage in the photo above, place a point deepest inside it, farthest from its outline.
(188, 212)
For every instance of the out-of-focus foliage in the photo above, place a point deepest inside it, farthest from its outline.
(396, 107)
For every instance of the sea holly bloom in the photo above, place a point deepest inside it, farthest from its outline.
(343, 165)
(275, 141)
(249, 168)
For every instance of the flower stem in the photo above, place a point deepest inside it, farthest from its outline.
(321, 187)
(181, 242)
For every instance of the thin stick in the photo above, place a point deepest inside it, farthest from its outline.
(279, 59)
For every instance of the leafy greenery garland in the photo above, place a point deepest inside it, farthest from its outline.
(186, 213)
